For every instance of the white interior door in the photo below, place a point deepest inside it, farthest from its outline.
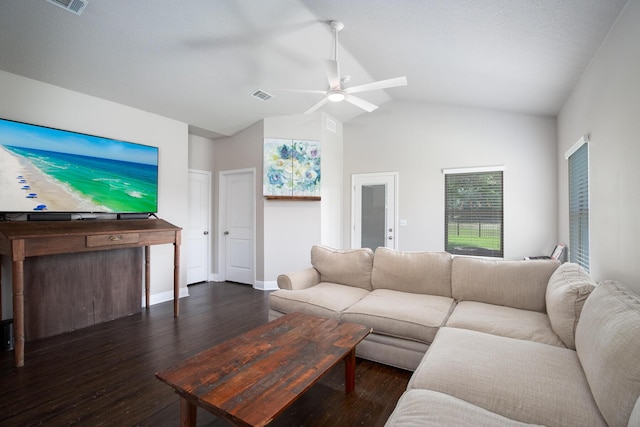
(237, 205)
(197, 240)
(374, 207)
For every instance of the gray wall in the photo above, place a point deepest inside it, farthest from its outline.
(418, 140)
(241, 151)
(606, 104)
(285, 230)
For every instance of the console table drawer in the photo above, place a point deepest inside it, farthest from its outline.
(112, 239)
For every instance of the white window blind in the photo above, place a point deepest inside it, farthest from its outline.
(474, 213)
(579, 206)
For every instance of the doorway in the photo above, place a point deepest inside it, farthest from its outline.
(197, 240)
(374, 210)
(237, 226)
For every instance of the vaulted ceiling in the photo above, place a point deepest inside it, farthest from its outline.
(199, 61)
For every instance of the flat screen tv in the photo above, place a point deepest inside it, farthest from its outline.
(52, 170)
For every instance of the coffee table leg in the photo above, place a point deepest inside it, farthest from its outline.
(350, 371)
(188, 413)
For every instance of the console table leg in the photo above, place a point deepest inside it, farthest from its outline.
(176, 275)
(0, 288)
(188, 413)
(18, 311)
(350, 371)
(147, 275)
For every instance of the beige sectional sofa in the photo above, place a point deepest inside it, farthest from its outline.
(491, 342)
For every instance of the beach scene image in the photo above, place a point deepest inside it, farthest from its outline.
(44, 169)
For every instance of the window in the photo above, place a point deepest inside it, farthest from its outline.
(473, 220)
(579, 203)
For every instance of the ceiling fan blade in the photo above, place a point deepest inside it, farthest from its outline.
(359, 102)
(380, 84)
(333, 73)
(298, 90)
(317, 106)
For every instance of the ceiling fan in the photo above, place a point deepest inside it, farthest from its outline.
(337, 92)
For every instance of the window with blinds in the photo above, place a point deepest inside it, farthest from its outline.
(474, 216)
(579, 206)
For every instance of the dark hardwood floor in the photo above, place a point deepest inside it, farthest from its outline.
(103, 375)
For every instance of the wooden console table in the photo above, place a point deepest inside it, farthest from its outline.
(22, 239)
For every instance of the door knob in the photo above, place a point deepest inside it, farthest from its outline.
(206, 233)
(226, 233)
(390, 237)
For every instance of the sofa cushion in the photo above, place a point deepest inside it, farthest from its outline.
(351, 267)
(518, 379)
(504, 321)
(517, 284)
(323, 299)
(401, 314)
(608, 345)
(393, 351)
(568, 289)
(429, 408)
(415, 272)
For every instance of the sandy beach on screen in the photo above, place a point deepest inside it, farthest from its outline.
(49, 192)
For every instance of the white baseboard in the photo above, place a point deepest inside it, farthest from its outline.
(261, 286)
(165, 296)
(266, 286)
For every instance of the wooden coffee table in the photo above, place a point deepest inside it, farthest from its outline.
(252, 378)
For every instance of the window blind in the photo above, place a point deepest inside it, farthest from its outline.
(474, 213)
(579, 207)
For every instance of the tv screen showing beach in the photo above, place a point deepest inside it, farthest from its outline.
(46, 169)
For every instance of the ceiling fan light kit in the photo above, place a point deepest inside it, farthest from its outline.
(337, 92)
(336, 95)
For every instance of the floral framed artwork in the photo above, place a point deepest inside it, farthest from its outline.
(291, 169)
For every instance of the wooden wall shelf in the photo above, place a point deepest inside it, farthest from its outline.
(23, 239)
(309, 198)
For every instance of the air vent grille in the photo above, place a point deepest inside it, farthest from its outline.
(331, 126)
(73, 6)
(262, 95)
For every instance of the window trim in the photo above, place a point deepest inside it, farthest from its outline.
(577, 255)
(470, 170)
(451, 171)
(575, 147)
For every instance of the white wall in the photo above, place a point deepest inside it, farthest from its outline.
(43, 104)
(606, 104)
(332, 188)
(418, 140)
(291, 227)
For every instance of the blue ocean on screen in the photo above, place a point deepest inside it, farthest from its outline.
(115, 185)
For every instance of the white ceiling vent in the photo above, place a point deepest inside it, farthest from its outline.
(262, 95)
(331, 125)
(73, 6)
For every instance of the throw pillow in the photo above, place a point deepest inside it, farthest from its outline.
(567, 290)
(351, 267)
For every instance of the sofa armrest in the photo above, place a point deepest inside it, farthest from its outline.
(300, 279)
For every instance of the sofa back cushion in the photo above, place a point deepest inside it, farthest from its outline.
(608, 345)
(351, 267)
(567, 291)
(415, 272)
(517, 284)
